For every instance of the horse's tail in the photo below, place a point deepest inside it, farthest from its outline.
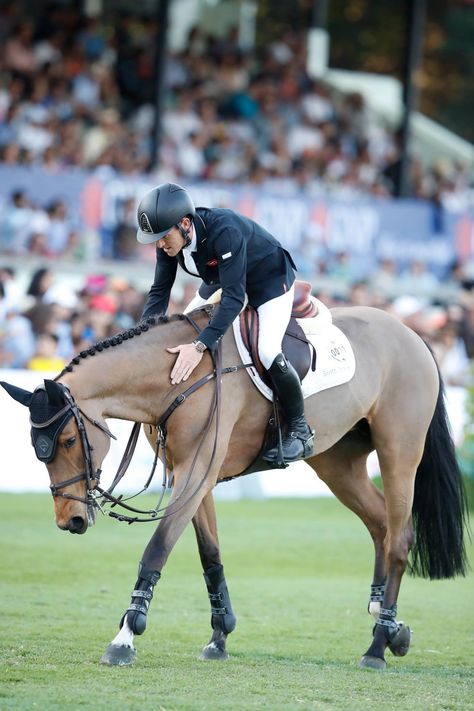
(440, 504)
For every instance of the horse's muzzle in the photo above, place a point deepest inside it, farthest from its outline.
(76, 524)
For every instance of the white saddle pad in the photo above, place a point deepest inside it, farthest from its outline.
(335, 362)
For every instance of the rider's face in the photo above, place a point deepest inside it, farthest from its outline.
(173, 242)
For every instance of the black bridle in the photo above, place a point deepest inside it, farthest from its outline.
(91, 477)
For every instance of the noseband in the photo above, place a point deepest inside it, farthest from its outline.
(91, 477)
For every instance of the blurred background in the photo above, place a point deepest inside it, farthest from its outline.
(345, 127)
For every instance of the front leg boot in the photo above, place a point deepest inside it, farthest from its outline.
(142, 595)
(222, 617)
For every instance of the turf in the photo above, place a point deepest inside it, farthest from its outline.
(298, 573)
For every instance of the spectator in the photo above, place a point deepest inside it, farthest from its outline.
(384, 280)
(416, 280)
(17, 339)
(451, 355)
(41, 281)
(15, 224)
(45, 357)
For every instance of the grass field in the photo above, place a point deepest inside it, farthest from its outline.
(298, 572)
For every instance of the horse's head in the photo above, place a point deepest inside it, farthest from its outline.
(65, 440)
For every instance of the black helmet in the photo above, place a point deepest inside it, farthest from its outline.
(161, 209)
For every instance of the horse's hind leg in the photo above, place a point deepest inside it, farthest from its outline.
(222, 617)
(398, 477)
(344, 469)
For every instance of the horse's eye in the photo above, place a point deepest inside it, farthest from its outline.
(69, 442)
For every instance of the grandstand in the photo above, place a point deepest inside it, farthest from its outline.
(313, 158)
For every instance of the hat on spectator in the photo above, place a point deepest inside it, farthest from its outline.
(406, 306)
(102, 302)
(95, 284)
(61, 295)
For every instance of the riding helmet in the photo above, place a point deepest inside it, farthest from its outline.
(161, 209)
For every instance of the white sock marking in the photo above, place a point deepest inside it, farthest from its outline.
(374, 609)
(124, 637)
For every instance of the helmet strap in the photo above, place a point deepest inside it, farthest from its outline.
(185, 234)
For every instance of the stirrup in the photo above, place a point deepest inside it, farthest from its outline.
(272, 456)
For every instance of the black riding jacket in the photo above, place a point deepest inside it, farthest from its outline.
(234, 253)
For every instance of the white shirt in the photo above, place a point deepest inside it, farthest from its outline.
(188, 259)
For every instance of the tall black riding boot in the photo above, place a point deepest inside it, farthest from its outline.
(298, 442)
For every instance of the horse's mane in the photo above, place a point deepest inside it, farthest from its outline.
(119, 338)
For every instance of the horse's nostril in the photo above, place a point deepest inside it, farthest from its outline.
(76, 524)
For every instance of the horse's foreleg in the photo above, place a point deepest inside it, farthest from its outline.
(121, 651)
(223, 620)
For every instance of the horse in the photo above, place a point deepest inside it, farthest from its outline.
(213, 427)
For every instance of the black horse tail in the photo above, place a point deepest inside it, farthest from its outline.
(440, 504)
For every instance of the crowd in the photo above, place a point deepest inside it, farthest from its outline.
(77, 92)
(43, 326)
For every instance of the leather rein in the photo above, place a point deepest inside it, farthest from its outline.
(98, 497)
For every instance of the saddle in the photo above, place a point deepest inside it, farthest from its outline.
(296, 347)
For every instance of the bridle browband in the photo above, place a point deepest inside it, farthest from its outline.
(96, 496)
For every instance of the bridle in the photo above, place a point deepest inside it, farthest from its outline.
(91, 477)
(96, 496)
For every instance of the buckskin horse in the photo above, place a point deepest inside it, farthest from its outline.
(394, 405)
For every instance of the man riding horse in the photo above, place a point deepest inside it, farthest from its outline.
(232, 252)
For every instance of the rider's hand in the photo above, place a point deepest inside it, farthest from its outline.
(188, 358)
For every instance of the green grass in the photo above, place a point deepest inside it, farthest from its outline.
(298, 573)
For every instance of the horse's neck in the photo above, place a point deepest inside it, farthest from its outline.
(128, 382)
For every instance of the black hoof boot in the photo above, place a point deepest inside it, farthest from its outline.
(137, 611)
(222, 615)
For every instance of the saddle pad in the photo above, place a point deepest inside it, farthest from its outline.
(335, 362)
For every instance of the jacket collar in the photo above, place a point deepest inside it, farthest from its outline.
(201, 229)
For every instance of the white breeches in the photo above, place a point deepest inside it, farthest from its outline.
(273, 319)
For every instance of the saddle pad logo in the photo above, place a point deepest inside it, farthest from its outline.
(145, 223)
(338, 352)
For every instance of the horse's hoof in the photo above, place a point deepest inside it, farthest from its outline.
(368, 662)
(212, 652)
(118, 656)
(400, 644)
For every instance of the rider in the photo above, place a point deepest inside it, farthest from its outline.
(229, 251)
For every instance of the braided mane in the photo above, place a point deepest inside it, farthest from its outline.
(120, 338)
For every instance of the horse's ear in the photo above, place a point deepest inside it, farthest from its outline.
(18, 394)
(54, 392)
